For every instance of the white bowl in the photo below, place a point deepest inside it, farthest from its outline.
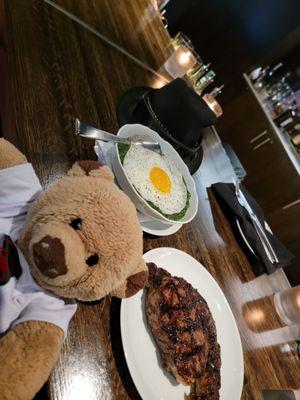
(142, 132)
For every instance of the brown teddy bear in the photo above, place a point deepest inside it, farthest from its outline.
(79, 239)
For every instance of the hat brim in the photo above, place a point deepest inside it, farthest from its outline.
(125, 115)
(194, 164)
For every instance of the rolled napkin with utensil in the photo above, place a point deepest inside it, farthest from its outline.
(226, 195)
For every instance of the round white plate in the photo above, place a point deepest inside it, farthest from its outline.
(139, 131)
(142, 357)
(158, 228)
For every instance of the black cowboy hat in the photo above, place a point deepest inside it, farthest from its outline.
(175, 111)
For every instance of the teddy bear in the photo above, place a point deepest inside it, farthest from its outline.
(78, 239)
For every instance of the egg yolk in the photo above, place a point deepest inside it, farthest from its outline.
(160, 180)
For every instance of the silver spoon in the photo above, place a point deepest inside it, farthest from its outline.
(87, 131)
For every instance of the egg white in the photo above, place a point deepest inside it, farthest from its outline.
(138, 163)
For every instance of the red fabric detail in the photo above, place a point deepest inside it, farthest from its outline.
(4, 271)
(9, 261)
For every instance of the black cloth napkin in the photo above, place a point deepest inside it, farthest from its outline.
(226, 193)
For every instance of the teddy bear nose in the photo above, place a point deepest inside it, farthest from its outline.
(49, 257)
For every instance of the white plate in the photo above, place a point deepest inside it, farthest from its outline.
(158, 228)
(142, 132)
(151, 381)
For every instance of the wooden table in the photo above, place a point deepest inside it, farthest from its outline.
(58, 72)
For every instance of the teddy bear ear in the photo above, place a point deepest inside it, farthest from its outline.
(91, 168)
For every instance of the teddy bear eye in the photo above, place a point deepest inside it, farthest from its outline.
(92, 260)
(76, 223)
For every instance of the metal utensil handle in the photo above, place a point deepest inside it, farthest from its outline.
(261, 233)
(90, 132)
(269, 255)
(256, 223)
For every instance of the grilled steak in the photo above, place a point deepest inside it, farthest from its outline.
(207, 387)
(184, 331)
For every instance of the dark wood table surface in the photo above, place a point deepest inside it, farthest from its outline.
(58, 72)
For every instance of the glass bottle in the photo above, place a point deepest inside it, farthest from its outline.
(216, 91)
(204, 81)
(198, 70)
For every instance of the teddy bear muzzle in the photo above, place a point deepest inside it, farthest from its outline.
(58, 253)
(49, 257)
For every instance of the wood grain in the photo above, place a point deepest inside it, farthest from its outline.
(59, 72)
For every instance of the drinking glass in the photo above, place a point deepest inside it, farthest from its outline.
(180, 61)
(287, 304)
(181, 39)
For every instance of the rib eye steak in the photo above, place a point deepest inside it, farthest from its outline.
(184, 331)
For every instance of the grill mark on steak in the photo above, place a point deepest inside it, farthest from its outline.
(185, 332)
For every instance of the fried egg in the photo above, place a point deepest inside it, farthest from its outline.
(156, 179)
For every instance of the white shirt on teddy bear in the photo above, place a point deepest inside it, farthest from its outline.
(23, 299)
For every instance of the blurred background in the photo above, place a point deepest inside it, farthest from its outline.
(236, 38)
